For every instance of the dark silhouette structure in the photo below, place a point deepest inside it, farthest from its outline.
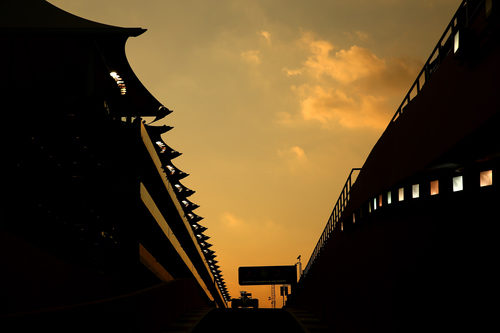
(411, 244)
(97, 232)
(249, 321)
(96, 227)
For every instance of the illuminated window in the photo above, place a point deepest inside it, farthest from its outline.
(456, 39)
(458, 183)
(389, 197)
(401, 194)
(341, 226)
(369, 207)
(434, 187)
(415, 191)
(380, 200)
(374, 203)
(486, 178)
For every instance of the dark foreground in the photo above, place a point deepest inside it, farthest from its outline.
(248, 320)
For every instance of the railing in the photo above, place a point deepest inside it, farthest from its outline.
(335, 217)
(444, 46)
(449, 41)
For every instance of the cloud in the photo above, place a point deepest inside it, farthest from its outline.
(358, 35)
(362, 36)
(344, 66)
(351, 87)
(298, 153)
(251, 226)
(292, 72)
(334, 106)
(294, 157)
(251, 57)
(231, 221)
(295, 153)
(266, 35)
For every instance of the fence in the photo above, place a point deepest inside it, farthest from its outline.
(449, 42)
(335, 217)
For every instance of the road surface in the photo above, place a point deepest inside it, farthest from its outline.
(248, 320)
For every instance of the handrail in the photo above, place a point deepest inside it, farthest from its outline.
(440, 51)
(460, 19)
(335, 217)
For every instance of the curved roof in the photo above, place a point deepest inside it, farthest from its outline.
(18, 15)
(39, 17)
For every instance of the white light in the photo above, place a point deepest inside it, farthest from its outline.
(415, 191)
(162, 146)
(389, 197)
(119, 81)
(374, 203)
(458, 184)
(434, 187)
(401, 194)
(486, 178)
(456, 40)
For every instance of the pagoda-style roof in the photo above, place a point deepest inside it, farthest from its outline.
(40, 15)
(39, 19)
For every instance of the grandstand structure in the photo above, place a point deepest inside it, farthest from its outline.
(411, 241)
(96, 216)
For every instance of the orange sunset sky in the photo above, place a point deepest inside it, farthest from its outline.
(274, 102)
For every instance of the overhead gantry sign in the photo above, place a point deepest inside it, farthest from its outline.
(267, 275)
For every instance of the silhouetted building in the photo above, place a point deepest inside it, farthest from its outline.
(411, 244)
(94, 206)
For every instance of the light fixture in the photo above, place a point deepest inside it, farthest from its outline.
(415, 191)
(434, 187)
(162, 146)
(119, 81)
(458, 183)
(486, 178)
(456, 41)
